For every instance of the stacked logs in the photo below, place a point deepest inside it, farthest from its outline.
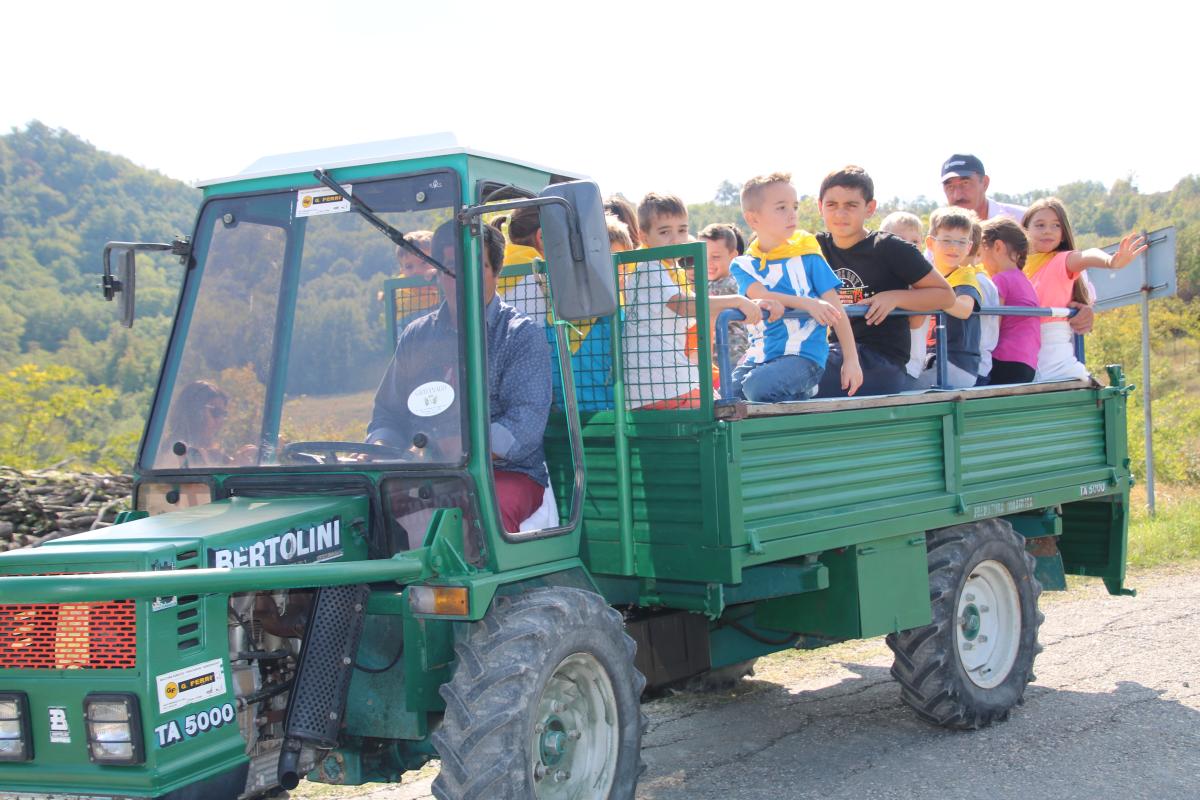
(38, 506)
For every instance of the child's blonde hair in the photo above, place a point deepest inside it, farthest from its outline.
(752, 190)
(899, 220)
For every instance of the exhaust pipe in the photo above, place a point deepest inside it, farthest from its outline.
(318, 699)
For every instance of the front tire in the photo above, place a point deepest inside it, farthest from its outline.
(544, 703)
(970, 666)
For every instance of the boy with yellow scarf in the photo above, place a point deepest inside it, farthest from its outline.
(786, 358)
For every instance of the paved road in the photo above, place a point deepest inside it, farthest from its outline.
(1114, 713)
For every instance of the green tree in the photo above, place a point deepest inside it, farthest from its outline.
(50, 418)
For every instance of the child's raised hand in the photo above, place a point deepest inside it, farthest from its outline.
(824, 313)
(771, 309)
(750, 309)
(1130, 248)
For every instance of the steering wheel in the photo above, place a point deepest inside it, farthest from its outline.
(308, 452)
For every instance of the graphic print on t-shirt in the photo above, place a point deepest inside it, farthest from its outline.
(853, 289)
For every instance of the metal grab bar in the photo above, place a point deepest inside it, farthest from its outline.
(731, 315)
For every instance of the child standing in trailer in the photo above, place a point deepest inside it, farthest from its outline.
(1003, 250)
(659, 308)
(951, 237)
(1054, 267)
(786, 358)
(908, 227)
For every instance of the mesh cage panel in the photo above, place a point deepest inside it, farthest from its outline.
(524, 286)
(660, 345)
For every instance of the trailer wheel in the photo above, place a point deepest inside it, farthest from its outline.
(544, 703)
(969, 667)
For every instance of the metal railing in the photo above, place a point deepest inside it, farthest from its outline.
(941, 359)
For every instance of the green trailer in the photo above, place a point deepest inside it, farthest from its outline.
(286, 601)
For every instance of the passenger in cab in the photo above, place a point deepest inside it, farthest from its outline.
(659, 308)
(1003, 251)
(952, 235)
(784, 269)
(1054, 268)
(518, 367)
(878, 269)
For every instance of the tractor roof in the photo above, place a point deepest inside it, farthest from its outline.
(411, 147)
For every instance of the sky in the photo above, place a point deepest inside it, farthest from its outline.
(641, 96)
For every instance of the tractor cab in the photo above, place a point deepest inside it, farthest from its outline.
(302, 274)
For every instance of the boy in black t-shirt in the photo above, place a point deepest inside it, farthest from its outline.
(880, 270)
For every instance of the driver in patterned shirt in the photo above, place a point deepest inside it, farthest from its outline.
(424, 371)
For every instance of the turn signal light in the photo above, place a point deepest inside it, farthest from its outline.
(451, 601)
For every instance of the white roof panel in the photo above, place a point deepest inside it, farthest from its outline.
(432, 144)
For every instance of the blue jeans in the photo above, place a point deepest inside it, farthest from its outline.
(881, 375)
(778, 380)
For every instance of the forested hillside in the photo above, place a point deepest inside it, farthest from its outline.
(75, 386)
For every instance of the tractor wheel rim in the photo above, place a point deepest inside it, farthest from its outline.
(988, 625)
(575, 736)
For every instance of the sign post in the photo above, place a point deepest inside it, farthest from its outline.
(1151, 275)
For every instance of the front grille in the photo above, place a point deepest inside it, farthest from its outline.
(68, 636)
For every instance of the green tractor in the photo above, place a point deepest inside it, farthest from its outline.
(290, 600)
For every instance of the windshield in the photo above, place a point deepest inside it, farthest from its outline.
(284, 354)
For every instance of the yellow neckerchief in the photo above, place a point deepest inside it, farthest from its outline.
(1035, 261)
(963, 276)
(801, 243)
(515, 254)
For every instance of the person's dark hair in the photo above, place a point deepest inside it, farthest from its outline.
(658, 205)
(446, 236)
(1002, 229)
(521, 226)
(623, 210)
(849, 177)
(727, 234)
(493, 244)
(493, 248)
(186, 420)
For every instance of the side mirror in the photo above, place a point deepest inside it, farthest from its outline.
(582, 279)
(125, 280)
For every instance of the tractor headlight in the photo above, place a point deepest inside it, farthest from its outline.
(16, 744)
(114, 729)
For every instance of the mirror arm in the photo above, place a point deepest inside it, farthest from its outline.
(110, 285)
(470, 213)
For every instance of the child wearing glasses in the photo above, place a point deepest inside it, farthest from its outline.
(952, 235)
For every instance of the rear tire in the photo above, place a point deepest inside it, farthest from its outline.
(544, 703)
(970, 666)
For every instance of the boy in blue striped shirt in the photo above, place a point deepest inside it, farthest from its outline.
(786, 357)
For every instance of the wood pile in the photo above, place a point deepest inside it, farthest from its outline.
(38, 506)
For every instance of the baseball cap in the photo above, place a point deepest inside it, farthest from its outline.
(960, 166)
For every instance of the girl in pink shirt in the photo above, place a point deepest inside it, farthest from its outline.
(1003, 251)
(1053, 267)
